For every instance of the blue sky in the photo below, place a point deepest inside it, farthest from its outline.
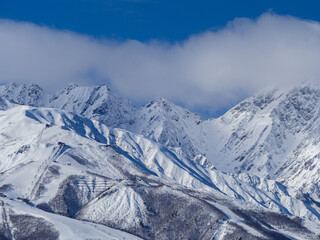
(204, 55)
(168, 20)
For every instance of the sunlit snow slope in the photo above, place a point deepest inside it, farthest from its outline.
(251, 173)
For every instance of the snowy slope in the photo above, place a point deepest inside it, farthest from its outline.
(273, 135)
(79, 168)
(21, 221)
(160, 120)
(171, 125)
(261, 155)
(32, 95)
(98, 103)
(5, 104)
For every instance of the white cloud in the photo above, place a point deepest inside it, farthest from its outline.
(213, 69)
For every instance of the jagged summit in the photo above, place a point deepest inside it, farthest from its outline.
(159, 120)
(23, 94)
(90, 155)
(169, 124)
(75, 167)
(168, 109)
(274, 134)
(158, 101)
(97, 102)
(162, 108)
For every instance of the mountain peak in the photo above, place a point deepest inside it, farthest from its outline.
(159, 102)
(96, 102)
(274, 135)
(23, 94)
(70, 87)
(160, 99)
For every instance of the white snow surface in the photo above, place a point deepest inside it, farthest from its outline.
(263, 152)
(68, 228)
(35, 139)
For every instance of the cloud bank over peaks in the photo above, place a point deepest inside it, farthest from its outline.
(213, 70)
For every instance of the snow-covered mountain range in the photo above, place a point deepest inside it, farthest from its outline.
(84, 158)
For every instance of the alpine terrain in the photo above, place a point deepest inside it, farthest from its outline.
(84, 163)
